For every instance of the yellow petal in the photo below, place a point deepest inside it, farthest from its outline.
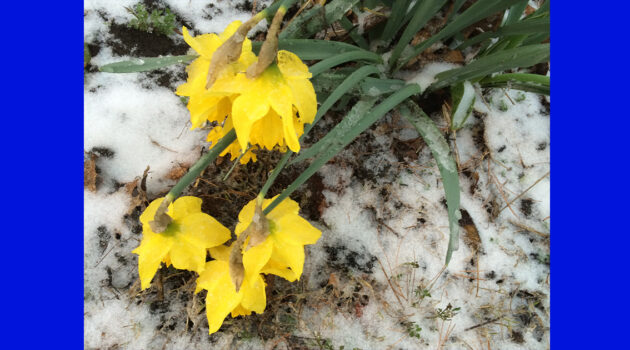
(287, 207)
(304, 99)
(240, 311)
(296, 230)
(221, 252)
(270, 128)
(229, 30)
(197, 73)
(205, 44)
(246, 110)
(289, 254)
(274, 267)
(245, 217)
(152, 250)
(203, 228)
(211, 275)
(254, 298)
(256, 257)
(184, 206)
(186, 255)
(292, 66)
(222, 297)
(281, 99)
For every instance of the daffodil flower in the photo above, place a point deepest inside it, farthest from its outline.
(282, 252)
(185, 241)
(222, 298)
(209, 104)
(267, 108)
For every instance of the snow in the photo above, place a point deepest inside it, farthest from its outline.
(426, 76)
(375, 231)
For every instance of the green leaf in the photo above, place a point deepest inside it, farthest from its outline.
(476, 12)
(317, 18)
(350, 82)
(336, 60)
(86, 55)
(144, 64)
(463, 95)
(448, 168)
(525, 27)
(311, 49)
(524, 56)
(520, 81)
(515, 12)
(353, 33)
(395, 20)
(358, 111)
(423, 14)
(355, 129)
(375, 86)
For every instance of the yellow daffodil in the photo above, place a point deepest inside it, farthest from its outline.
(266, 111)
(282, 252)
(184, 242)
(222, 298)
(209, 104)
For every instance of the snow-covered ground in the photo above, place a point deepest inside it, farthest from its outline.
(375, 279)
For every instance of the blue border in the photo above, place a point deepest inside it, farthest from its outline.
(42, 171)
(589, 193)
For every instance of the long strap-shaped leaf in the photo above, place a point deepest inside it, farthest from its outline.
(361, 124)
(524, 56)
(144, 64)
(328, 63)
(311, 49)
(316, 19)
(423, 14)
(350, 82)
(448, 169)
(521, 81)
(525, 27)
(478, 11)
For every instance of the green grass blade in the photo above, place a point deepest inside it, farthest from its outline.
(375, 114)
(311, 49)
(144, 64)
(448, 168)
(336, 60)
(463, 95)
(525, 27)
(478, 11)
(423, 14)
(524, 56)
(537, 83)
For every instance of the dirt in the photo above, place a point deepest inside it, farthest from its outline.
(128, 41)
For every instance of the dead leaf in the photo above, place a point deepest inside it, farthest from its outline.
(89, 173)
(471, 235)
(177, 172)
(454, 56)
(137, 193)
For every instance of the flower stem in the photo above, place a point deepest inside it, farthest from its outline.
(161, 219)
